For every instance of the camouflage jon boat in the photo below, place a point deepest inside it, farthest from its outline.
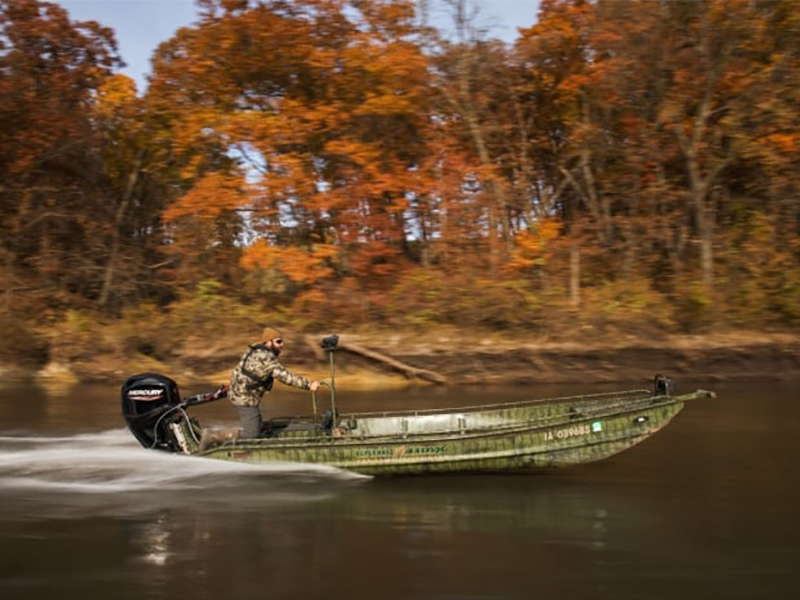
(524, 435)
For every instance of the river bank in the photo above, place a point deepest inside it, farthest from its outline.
(390, 360)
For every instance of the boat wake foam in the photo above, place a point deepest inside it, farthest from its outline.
(110, 462)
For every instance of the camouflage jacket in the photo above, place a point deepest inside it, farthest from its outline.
(256, 373)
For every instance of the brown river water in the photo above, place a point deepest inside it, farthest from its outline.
(707, 508)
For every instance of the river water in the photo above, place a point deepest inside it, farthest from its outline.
(707, 508)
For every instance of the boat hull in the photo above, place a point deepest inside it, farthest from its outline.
(527, 436)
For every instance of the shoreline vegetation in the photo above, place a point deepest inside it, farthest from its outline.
(391, 359)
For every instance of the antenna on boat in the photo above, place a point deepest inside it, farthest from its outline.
(329, 344)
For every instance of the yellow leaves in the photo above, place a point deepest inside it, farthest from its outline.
(302, 265)
(390, 75)
(531, 246)
(397, 66)
(115, 95)
(360, 153)
(385, 105)
(213, 194)
(260, 255)
(197, 126)
(574, 83)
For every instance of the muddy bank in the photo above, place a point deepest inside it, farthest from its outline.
(381, 361)
(576, 364)
(717, 358)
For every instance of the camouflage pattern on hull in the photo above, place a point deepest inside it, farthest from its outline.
(520, 436)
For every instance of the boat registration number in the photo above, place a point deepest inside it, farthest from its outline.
(568, 432)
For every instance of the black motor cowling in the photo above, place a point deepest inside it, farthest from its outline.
(147, 399)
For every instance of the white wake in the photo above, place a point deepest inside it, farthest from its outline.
(111, 462)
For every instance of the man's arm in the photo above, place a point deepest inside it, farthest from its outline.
(284, 375)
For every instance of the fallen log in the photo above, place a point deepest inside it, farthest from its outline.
(409, 371)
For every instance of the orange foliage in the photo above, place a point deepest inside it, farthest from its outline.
(652, 137)
(531, 246)
(304, 266)
(213, 194)
(785, 142)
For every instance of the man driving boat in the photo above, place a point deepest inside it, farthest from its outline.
(254, 376)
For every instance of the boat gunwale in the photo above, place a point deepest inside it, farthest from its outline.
(633, 397)
(503, 405)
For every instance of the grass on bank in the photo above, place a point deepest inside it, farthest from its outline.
(204, 331)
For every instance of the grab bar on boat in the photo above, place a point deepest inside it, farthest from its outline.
(329, 344)
(314, 403)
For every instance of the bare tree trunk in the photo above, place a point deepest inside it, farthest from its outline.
(8, 280)
(575, 276)
(587, 190)
(707, 259)
(700, 187)
(701, 180)
(463, 102)
(498, 223)
(108, 273)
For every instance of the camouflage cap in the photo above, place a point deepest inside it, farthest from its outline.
(270, 334)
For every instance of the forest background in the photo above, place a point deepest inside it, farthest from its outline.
(622, 170)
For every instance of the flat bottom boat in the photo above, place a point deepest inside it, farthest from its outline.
(528, 435)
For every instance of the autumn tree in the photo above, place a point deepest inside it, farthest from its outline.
(140, 177)
(50, 209)
(486, 109)
(325, 135)
(341, 158)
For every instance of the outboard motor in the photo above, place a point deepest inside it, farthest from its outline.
(147, 400)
